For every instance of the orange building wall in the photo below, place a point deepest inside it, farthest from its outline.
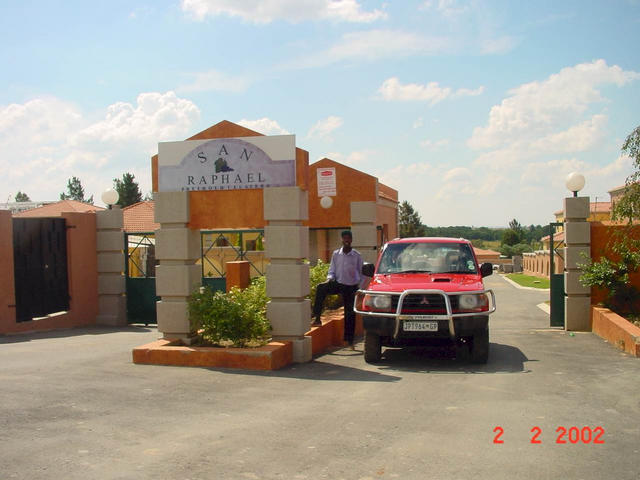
(600, 236)
(7, 284)
(351, 186)
(82, 267)
(231, 208)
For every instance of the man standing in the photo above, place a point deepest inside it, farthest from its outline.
(344, 278)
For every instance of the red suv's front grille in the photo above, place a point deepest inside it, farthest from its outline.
(425, 304)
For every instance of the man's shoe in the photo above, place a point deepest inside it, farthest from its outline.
(316, 323)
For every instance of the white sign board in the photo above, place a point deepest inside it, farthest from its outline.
(227, 163)
(326, 182)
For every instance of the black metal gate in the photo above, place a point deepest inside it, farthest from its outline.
(40, 267)
(140, 273)
(556, 316)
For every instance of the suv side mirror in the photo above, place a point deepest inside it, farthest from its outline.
(486, 269)
(368, 269)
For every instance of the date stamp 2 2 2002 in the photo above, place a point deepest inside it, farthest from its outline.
(564, 435)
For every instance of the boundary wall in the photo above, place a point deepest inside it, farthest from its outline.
(82, 268)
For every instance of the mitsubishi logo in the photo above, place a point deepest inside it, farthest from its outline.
(424, 300)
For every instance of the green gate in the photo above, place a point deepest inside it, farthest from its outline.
(557, 282)
(140, 268)
(222, 246)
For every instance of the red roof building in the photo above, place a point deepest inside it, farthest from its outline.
(138, 218)
(57, 208)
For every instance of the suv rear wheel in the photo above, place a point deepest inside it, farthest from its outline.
(372, 347)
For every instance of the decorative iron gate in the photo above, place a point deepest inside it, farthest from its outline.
(222, 246)
(140, 273)
(40, 267)
(556, 316)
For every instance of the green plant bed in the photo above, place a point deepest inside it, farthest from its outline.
(529, 281)
(237, 318)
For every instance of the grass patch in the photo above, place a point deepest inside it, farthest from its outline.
(528, 280)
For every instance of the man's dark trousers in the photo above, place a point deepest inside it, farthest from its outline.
(348, 293)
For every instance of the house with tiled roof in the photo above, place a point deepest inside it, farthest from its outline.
(139, 217)
(56, 209)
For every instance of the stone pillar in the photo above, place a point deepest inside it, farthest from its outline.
(112, 302)
(577, 305)
(363, 227)
(287, 245)
(178, 249)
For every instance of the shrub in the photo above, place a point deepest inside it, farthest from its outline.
(236, 318)
(611, 273)
(318, 274)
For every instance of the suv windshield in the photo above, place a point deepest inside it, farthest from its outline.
(427, 257)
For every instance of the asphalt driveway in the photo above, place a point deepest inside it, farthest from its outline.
(73, 406)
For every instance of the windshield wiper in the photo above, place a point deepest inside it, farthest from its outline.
(415, 271)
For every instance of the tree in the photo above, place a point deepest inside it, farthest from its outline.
(75, 191)
(510, 237)
(516, 227)
(22, 197)
(627, 207)
(409, 221)
(128, 190)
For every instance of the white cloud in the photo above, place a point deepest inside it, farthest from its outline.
(392, 90)
(155, 117)
(435, 144)
(294, 11)
(324, 127)
(458, 173)
(266, 126)
(214, 80)
(577, 138)
(538, 108)
(354, 159)
(45, 141)
(373, 45)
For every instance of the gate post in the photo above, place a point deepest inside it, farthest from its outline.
(287, 245)
(578, 240)
(111, 282)
(363, 228)
(178, 250)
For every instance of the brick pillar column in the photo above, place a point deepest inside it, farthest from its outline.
(577, 305)
(178, 275)
(287, 245)
(363, 228)
(112, 304)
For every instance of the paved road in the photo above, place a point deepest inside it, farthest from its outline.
(73, 406)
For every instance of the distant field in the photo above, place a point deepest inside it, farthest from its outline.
(491, 245)
(528, 280)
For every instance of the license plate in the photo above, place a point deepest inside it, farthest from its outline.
(420, 326)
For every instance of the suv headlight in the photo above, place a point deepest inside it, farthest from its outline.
(473, 303)
(377, 303)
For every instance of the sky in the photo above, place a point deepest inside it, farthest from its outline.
(475, 111)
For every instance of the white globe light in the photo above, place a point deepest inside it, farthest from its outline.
(110, 196)
(326, 202)
(575, 182)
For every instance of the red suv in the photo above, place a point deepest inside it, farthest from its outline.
(427, 291)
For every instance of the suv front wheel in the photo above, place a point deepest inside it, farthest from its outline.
(480, 346)
(372, 347)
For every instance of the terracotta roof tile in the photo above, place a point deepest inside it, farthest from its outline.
(139, 218)
(58, 208)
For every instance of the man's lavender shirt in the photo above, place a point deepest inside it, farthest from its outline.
(346, 268)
